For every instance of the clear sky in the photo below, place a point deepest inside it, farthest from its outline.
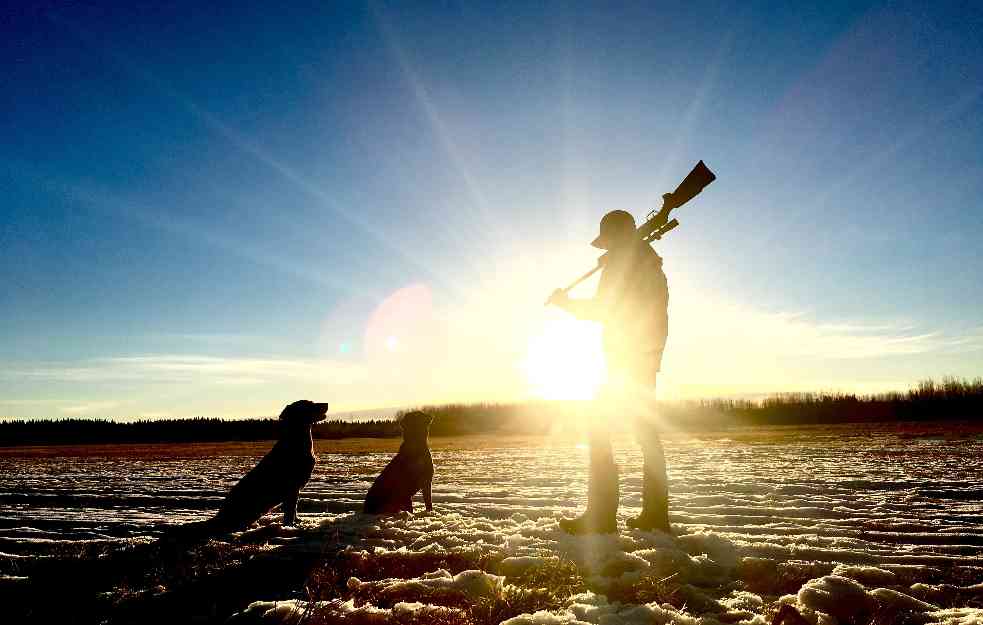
(216, 211)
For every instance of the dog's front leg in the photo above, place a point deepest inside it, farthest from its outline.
(290, 509)
(428, 495)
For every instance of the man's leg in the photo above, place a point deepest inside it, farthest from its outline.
(602, 489)
(655, 481)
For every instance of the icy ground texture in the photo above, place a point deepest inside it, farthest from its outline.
(840, 521)
(717, 579)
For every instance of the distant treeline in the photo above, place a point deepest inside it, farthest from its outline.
(952, 398)
(450, 419)
(949, 399)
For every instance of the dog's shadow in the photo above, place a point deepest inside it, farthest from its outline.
(348, 529)
(266, 559)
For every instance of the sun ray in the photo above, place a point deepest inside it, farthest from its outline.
(489, 226)
(406, 254)
(670, 161)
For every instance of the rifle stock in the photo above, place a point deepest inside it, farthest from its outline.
(697, 180)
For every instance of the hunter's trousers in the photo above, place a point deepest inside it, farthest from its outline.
(602, 488)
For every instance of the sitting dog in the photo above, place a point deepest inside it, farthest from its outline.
(279, 476)
(408, 473)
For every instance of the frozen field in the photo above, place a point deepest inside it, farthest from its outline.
(837, 520)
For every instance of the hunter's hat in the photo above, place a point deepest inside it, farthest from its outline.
(615, 226)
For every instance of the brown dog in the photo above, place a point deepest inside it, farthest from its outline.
(408, 473)
(279, 476)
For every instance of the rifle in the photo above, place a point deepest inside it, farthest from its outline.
(657, 224)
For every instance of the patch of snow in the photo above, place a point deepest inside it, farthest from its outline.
(517, 565)
(474, 584)
(866, 575)
(330, 613)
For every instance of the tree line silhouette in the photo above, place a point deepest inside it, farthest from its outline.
(951, 398)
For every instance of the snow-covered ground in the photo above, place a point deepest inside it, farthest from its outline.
(840, 520)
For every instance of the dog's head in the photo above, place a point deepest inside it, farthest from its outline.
(416, 425)
(303, 413)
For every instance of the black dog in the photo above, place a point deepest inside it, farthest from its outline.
(408, 473)
(279, 476)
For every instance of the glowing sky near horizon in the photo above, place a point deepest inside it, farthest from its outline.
(216, 211)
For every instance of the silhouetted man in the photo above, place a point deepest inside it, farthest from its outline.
(632, 303)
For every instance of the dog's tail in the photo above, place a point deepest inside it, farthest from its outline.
(187, 535)
(191, 534)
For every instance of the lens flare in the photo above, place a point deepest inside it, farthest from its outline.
(402, 330)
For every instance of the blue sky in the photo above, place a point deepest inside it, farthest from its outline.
(217, 210)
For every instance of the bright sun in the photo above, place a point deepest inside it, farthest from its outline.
(565, 360)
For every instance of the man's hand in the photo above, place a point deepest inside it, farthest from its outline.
(559, 298)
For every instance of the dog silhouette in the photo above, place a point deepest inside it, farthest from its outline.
(408, 473)
(279, 476)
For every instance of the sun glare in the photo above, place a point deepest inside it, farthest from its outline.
(565, 361)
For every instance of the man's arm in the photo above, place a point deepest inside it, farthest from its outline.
(588, 309)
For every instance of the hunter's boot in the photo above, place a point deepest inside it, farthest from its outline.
(602, 495)
(655, 506)
(655, 487)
